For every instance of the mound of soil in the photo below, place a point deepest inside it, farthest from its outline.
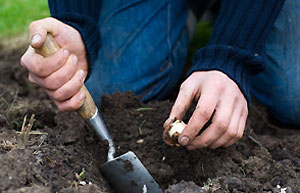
(62, 153)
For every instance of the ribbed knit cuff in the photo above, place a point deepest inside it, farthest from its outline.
(237, 64)
(89, 34)
(238, 40)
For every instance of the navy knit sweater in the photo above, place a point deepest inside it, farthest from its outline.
(236, 46)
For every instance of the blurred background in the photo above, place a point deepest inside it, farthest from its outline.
(16, 15)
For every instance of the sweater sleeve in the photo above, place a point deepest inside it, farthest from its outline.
(236, 46)
(83, 16)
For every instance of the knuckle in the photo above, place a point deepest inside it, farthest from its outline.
(235, 94)
(238, 137)
(54, 84)
(204, 113)
(217, 81)
(38, 68)
(55, 61)
(47, 84)
(60, 107)
(59, 58)
(214, 146)
(58, 95)
(183, 86)
(74, 105)
(51, 83)
(49, 19)
(48, 62)
(232, 133)
(33, 24)
(206, 143)
(178, 107)
(219, 86)
(222, 124)
(191, 132)
(23, 61)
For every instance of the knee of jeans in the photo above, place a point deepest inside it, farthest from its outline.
(286, 107)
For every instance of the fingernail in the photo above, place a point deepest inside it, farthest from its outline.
(184, 140)
(81, 96)
(168, 122)
(36, 39)
(81, 75)
(66, 53)
(75, 59)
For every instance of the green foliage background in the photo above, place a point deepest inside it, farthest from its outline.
(16, 15)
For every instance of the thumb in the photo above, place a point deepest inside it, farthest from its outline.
(36, 41)
(38, 31)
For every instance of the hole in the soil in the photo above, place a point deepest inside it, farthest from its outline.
(28, 182)
(68, 143)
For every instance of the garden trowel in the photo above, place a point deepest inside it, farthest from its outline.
(126, 173)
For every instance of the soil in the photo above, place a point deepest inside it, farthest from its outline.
(62, 153)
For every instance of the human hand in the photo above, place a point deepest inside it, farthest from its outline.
(215, 93)
(62, 74)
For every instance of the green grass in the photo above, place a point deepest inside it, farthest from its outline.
(16, 15)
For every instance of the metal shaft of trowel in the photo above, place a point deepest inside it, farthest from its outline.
(97, 123)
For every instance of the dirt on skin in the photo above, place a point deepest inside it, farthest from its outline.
(61, 152)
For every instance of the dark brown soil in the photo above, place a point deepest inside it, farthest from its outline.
(64, 147)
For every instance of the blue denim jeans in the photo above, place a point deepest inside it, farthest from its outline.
(143, 48)
(278, 87)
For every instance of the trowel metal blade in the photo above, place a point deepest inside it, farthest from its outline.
(127, 174)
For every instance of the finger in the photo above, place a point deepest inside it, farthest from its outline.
(168, 122)
(219, 125)
(31, 79)
(167, 126)
(38, 30)
(59, 77)
(231, 132)
(71, 104)
(43, 67)
(241, 130)
(204, 110)
(183, 102)
(69, 89)
(29, 52)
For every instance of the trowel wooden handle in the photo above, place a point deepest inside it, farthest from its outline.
(88, 109)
